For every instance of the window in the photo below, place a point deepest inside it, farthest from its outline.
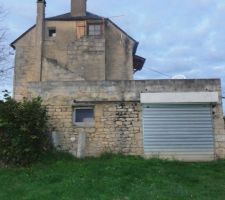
(84, 116)
(52, 32)
(94, 29)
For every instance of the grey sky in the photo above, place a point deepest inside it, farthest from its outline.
(177, 37)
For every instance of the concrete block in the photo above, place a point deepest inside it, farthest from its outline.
(81, 147)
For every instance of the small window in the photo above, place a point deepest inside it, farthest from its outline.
(52, 32)
(94, 29)
(84, 116)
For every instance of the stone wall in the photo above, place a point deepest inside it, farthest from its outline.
(117, 128)
(25, 63)
(119, 54)
(81, 55)
(107, 97)
(68, 58)
(67, 91)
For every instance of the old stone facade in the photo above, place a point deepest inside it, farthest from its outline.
(117, 128)
(118, 112)
(79, 60)
(69, 47)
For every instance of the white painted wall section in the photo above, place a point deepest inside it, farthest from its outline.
(180, 97)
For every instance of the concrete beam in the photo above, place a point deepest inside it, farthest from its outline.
(180, 97)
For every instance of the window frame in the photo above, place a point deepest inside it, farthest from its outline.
(83, 124)
(95, 24)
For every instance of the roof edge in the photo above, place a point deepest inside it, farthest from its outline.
(124, 32)
(68, 17)
(12, 44)
(136, 42)
(114, 24)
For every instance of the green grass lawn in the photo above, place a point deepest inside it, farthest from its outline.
(113, 178)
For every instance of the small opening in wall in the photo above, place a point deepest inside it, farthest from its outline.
(83, 116)
(52, 32)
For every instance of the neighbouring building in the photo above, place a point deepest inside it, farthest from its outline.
(82, 66)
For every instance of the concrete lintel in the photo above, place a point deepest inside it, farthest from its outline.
(180, 97)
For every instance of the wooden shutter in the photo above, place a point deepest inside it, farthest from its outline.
(80, 29)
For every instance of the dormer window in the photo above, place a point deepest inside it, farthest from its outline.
(94, 29)
(52, 32)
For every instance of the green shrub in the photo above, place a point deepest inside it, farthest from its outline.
(23, 131)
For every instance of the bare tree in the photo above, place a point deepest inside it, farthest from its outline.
(5, 68)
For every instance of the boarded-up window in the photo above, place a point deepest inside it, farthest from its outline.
(81, 29)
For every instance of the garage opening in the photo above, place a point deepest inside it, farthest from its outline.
(181, 132)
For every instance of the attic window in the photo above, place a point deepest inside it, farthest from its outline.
(94, 29)
(52, 32)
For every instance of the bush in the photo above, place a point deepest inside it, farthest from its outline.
(23, 131)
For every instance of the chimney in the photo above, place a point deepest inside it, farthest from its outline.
(78, 8)
(40, 27)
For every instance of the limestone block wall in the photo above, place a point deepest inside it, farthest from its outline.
(117, 128)
(119, 54)
(88, 56)
(67, 58)
(106, 97)
(25, 64)
(81, 55)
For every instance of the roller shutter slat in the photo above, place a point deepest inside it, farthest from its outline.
(179, 129)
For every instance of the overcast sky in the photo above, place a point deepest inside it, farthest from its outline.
(176, 36)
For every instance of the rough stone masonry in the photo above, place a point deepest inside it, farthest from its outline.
(118, 112)
(82, 60)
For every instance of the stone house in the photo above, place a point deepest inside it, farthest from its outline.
(82, 66)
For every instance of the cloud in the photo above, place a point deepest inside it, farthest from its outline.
(177, 37)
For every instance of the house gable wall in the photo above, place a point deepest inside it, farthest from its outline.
(66, 58)
(119, 54)
(25, 63)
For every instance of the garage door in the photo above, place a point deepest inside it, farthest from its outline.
(183, 132)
